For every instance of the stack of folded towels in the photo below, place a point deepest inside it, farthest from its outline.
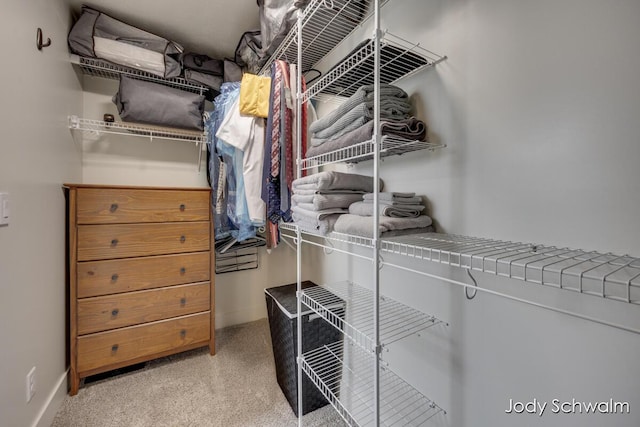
(399, 213)
(318, 200)
(351, 123)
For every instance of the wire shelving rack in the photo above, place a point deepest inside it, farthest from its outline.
(135, 129)
(399, 58)
(324, 26)
(604, 275)
(389, 146)
(342, 372)
(397, 321)
(99, 127)
(100, 68)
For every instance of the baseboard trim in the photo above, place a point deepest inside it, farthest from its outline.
(52, 404)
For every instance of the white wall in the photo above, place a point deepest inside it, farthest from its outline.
(38, 154)
(538, 104)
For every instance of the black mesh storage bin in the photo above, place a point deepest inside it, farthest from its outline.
(316, 332)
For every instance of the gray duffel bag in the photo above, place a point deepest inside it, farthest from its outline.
(97, 35)
(140, 101)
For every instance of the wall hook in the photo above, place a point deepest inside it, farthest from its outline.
(39, 43)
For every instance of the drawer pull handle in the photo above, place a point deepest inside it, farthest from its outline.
(182, 207)
(115, 312)
(114, 277)
(183, 333)
(114, 348)
(182, 239)
(114, 207)
(114, 242)
(183, 270)
(183, 301)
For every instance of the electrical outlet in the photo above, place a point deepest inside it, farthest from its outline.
(31, 384)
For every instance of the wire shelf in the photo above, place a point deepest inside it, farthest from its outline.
(332, 237)
(344, 375)
(363, 151)
(324, 26)
(605, 275)
(133, 129)
(355, 319)
(238, 260)
(399, 58)
(100, 68)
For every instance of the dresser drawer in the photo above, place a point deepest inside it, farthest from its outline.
(134, 274)
(112, 206)
(113, 347)
(97, 242)
(116, 311)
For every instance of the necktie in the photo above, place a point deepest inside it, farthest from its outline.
(275, 132)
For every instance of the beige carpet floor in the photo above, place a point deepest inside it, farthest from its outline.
(236, 387)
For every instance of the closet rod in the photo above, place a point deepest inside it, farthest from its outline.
(510, 297)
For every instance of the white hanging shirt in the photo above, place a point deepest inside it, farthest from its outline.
(246, 133)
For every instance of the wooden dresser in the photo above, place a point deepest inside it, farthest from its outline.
(141, 279)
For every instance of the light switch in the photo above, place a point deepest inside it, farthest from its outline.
(4, 208)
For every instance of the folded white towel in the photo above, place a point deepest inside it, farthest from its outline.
(318, 202)
(390, 196)
(363, 225)
(327, 192)
(332, 180)
(386, 209)
(316, 222)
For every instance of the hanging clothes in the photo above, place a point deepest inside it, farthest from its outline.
(217, 179)
(280, 148)
(246, 133)
(271, 165)
(236, 220)
(286, 139)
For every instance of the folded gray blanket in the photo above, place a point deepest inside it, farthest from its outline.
(363, 225)
(315, 222)
(398, 211)
(319, 202)
(360, 114)
(410, 129)
(332, 180)
(363, 94)
(394, 198)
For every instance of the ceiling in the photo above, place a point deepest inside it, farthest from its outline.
(212, 27)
